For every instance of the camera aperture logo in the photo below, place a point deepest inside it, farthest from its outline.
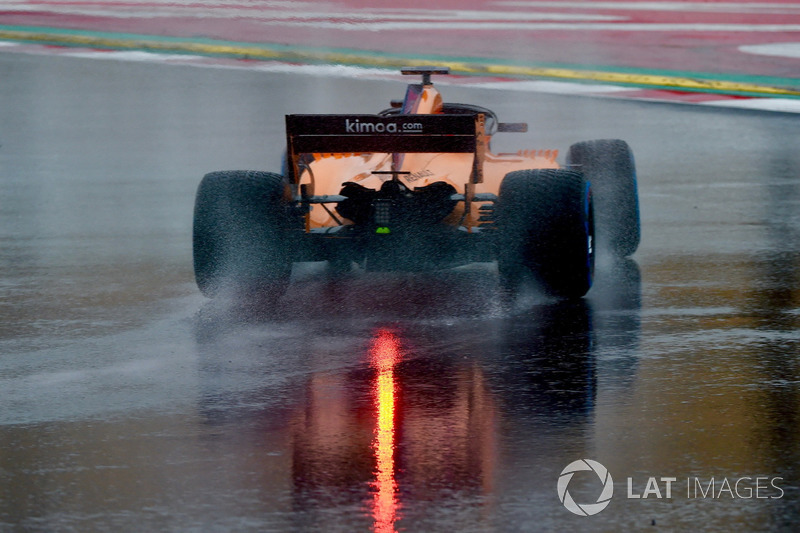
(585, 509)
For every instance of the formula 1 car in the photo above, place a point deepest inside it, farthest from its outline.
(416, 187)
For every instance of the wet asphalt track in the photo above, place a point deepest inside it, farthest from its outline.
(131, 402)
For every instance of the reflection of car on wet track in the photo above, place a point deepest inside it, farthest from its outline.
(416, 187)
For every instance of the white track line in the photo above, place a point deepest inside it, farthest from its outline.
(774, 49)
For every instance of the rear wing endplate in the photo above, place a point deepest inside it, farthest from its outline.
(322, 134)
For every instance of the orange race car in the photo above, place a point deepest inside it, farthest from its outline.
(416, 187)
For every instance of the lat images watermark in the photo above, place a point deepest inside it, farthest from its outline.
(658, 487)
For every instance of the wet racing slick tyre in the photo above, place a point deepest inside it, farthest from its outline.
(609, 166)
(240, 239)
(546, 228)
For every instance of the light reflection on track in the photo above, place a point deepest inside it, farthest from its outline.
(385, 352)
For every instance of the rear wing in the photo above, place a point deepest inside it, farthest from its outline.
(395, 134)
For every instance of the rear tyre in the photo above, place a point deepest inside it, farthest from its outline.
(609, 166)
(546, 228)
(240, 235)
